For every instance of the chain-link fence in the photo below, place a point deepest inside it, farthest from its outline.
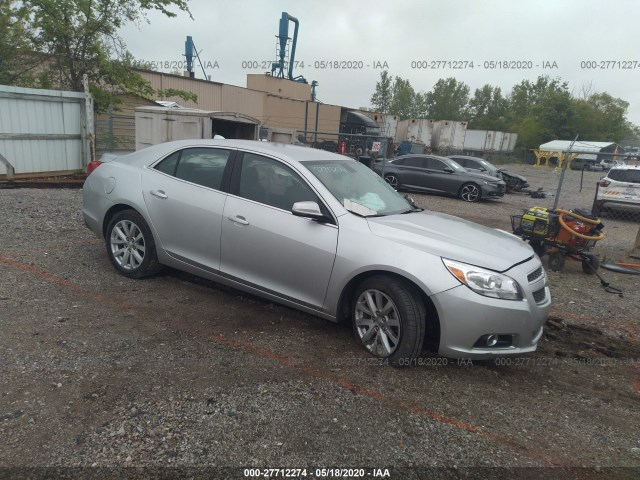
(115, 132)
(353, 145)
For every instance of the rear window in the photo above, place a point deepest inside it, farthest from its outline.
(630, 176)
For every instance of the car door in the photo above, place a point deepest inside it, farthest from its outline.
(264, 245)
(413, 172)
(442, 180)
(184, 198)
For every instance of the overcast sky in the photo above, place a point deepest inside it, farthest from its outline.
(369, 33)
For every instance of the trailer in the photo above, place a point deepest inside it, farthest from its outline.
(448, 136)
(162, 124)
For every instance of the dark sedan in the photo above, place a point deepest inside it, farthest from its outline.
(514, 181)
(429, 173)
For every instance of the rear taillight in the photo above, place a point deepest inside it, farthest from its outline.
(92, 166)
(604, 183)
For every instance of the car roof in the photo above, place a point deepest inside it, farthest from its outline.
(468, 157)
(422, 155)
(625, 167)
(289, 153)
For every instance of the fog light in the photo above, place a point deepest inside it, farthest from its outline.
(492, 340)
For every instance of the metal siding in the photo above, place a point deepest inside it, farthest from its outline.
(41, 112)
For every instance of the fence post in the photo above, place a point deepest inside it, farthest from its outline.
(110, 134)
(11, 172)
(635, 253)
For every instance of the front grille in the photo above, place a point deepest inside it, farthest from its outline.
(540, 295)
(535, 275)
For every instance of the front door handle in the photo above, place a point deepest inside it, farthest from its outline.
(239, 219)
(158, 193)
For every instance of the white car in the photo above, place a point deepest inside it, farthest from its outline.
(619, 190)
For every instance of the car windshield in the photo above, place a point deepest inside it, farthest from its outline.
(453, 164)
(487, 165)
(358, 188)
(625, 175)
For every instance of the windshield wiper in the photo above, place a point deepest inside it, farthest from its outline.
(413, 210)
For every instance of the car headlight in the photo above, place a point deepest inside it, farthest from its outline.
(484, 282)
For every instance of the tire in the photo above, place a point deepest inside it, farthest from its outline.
(556, 261)
(395, 331)
(130, 245)
(470, 192)
(393, 181)
(590, 264)
(538, 247)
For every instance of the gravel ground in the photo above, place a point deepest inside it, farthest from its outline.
(175, 371)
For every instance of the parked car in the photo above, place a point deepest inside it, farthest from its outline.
(514, 181)
(619, 190)
(430, 173)
(585, 164)
(321, 233)
(608, 163)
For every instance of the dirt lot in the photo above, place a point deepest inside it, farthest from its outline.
(174, 371)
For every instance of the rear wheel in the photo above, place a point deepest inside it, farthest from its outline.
(389, 319)
(130, 245)
(590, 264)
(470, 192)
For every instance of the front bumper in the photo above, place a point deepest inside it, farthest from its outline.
(493, 191)
(618, 205)
(466, 318)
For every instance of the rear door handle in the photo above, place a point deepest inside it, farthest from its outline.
(158, 193)
(239, 219)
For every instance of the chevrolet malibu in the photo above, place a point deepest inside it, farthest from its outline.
(321, 233)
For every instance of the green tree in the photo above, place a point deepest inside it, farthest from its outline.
(488, 109)
(383, 96)
(541, 111)
(448, 100)
(402, 103)
(17, 60)
(80, 37)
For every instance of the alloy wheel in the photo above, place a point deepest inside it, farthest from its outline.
(127, 245)
(377, 322)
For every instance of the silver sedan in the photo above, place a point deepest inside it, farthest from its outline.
(324, 234)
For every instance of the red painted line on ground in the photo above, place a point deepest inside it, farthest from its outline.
(55, 247)
(415, 409)
(65, 283)
(219, 338)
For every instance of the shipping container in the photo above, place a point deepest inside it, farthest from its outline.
(475, 140)
(498, 139)
(388, 123)
(420, 130)
(161, 124)
(448, 136)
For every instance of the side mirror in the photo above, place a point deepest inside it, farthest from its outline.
(448, 169)
(307, 210)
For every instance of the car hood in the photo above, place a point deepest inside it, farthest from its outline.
(512, 174)
(482, 176)
(454, 238)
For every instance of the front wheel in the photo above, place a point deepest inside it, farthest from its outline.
(393, 181)
(389, 319)
(130, 245)
(556, 261)
(470, 192)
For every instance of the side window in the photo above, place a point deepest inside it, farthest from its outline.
(270, 182)
(203, 166)
(464, 162)
(414, 162)
(169, 164)
(436, 164)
